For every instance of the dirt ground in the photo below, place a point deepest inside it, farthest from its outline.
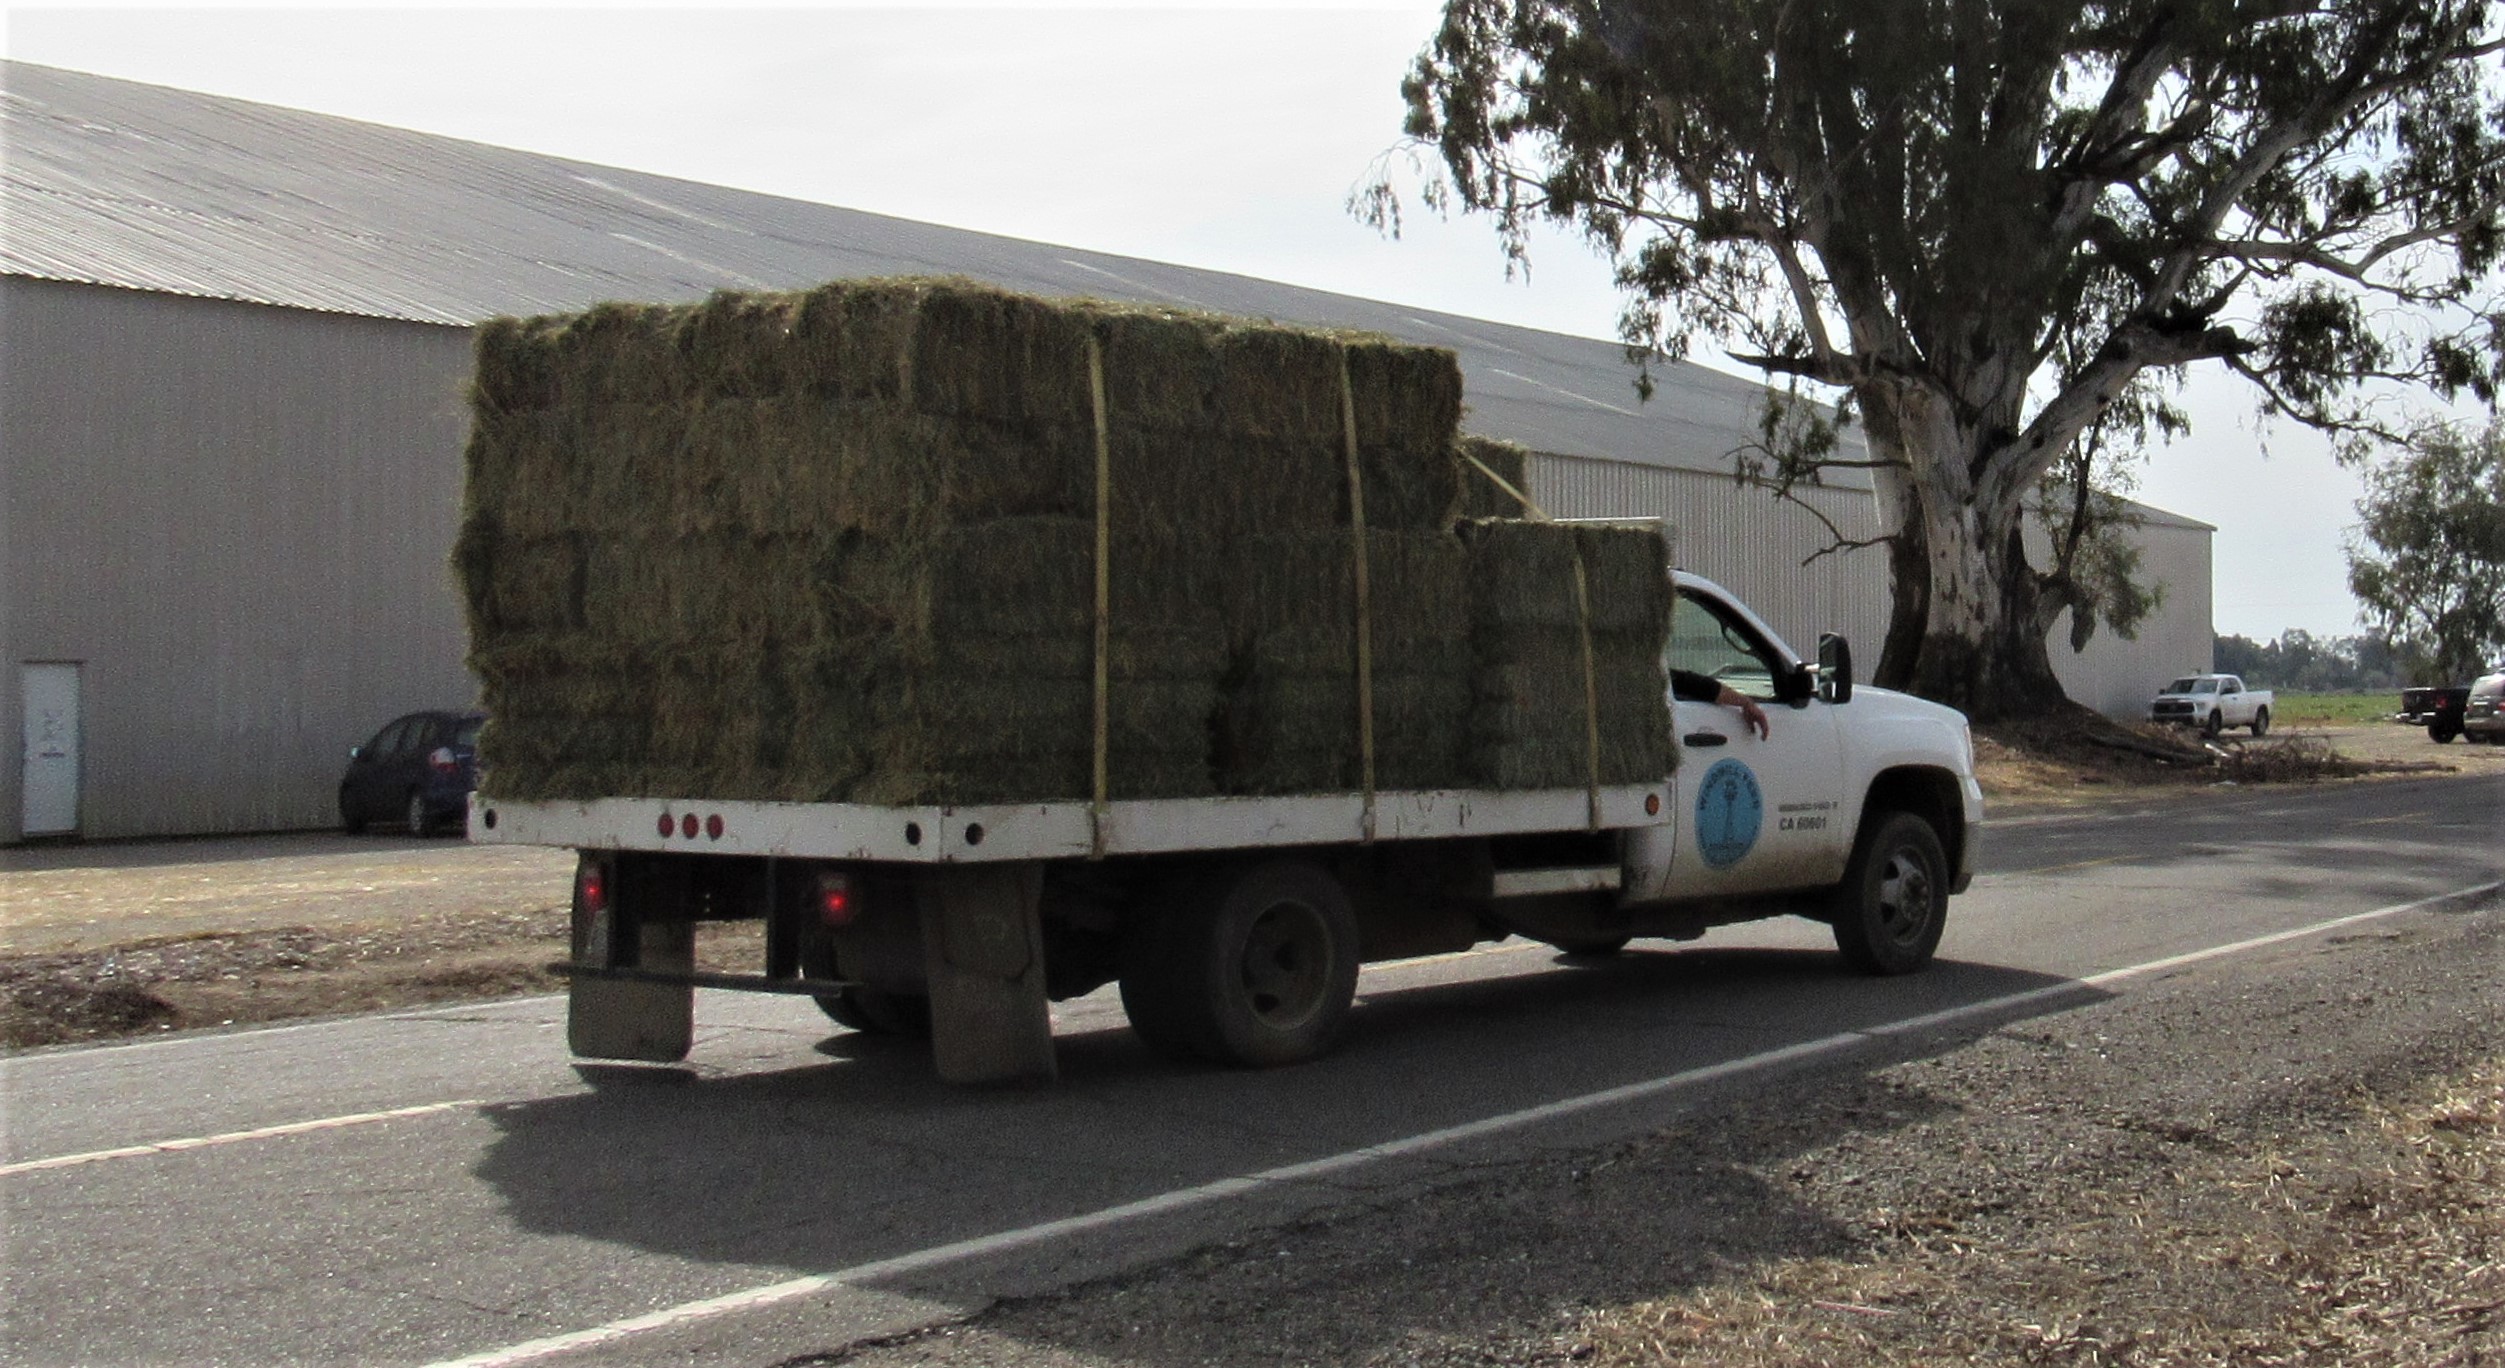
(116, 939)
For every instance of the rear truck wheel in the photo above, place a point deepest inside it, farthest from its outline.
(2443, 732)
(1893, 904)
(349, 821)
(2214, 725)
(2261, 721)
(872, 1011)
(1255, 967)
(414, 818)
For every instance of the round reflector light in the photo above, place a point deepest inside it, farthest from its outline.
(668, 824)
(713, 827)
(687, 826)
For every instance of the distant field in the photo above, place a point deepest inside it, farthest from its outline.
(2334, 709)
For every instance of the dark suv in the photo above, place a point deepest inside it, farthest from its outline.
(416, 773)
(2439, 710)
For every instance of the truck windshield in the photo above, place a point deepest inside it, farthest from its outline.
(2190, 685)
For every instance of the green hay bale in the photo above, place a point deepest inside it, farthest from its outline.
(1522, 575)
(522, 584)
(1155, 653)
(1038, 576)
(1527, 720)
(1482, 497)
(1299, 733)
(1293, 597)
(1277, 384)
(1407, 398)
(1220, 487)
(514, 370)
(694, 591)
(996, 740)
(510, 464)
(1161, 370)
(736, 346)
(1008, 358)
(852, 342)
(842, 543)
(620, 354)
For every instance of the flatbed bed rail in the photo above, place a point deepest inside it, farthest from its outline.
(1060, 830)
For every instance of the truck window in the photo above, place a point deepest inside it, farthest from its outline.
(1706, 639)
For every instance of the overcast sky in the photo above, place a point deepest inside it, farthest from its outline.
(1223, 137)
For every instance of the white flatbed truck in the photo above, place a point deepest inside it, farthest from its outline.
(1235, 926)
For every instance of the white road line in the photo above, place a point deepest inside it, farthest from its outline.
(1185, 1198)
(194, 1142)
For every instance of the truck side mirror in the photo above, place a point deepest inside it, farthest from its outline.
(1835, 668)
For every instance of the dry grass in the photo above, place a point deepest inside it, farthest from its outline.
(2380, 1241)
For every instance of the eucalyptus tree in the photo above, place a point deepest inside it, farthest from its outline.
(2428, 558)
(1990, 229)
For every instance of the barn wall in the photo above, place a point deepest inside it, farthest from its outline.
(236, 518)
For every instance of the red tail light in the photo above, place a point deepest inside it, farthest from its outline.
(839, 901)
(591, 886)
(443, 760)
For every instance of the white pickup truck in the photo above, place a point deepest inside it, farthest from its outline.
(1235, 926)
(2213, 703)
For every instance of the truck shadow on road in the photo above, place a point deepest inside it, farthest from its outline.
(832, 1163)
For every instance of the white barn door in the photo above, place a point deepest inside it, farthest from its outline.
(50, 788)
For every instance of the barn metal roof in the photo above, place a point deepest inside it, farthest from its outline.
(144, 187)
(113, 182)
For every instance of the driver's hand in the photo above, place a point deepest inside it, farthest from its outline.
(1750, 713)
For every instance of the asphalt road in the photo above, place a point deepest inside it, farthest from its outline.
(446, 1184)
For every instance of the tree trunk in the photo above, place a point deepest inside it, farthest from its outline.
(1968, 622)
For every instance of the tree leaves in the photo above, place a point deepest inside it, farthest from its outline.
(2428, 561)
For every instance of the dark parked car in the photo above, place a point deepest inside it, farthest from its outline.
(2439, 710)
(416, 773)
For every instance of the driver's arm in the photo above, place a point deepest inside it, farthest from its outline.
(1690, 687)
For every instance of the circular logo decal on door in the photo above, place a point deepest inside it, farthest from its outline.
(1729, 810)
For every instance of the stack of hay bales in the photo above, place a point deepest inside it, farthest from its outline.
(842, 546)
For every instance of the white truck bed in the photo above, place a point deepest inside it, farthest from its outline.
(1048, 831)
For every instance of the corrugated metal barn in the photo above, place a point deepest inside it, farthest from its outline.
(233, 345)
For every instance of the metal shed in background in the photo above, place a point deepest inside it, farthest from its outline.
(235, 340)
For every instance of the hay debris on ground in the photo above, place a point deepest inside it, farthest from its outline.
(2378, 1243)
(842, 545)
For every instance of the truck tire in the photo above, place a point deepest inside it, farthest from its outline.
(1893, 903)
(873, 1012)
(2442, 732)
(2214, 725)
(1253, 967)
(2261, 721)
